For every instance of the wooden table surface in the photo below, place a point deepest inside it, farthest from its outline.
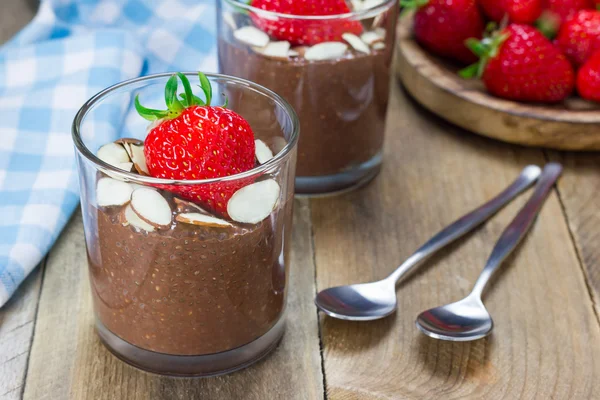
(545, 301)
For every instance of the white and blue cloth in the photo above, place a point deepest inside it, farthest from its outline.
(71, 50)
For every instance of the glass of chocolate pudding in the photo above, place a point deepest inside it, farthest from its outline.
(181, 286)
(333, 69)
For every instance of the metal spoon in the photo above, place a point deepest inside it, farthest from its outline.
(468, 319)
(369, 301)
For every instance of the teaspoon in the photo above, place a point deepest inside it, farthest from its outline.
(375, 300)
(468, 319)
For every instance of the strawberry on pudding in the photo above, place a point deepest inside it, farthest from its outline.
(330, 59)
(188, 233)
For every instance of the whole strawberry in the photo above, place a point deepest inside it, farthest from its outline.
(442, 26)
(308, 32)
(518, 11)
(579, 37)
(588, 78)
(195, 140)
(519, 63)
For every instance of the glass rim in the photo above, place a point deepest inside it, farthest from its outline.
(360, 14)
(130, 176)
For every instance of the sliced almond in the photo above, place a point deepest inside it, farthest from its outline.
(378, 20)
(370, 37)
(263, 152)
(299, 51)
(125, 166)
(112, 192)
(251, 36)
(229, 20)
(131, 218)
(253, 203)
(184, 206)
(202, 220)
(326, 51)
(139, 186)
(277, 143)
(279, 50)
(152, 207)
(124, 141)
(379, 46)
(357, 5)
(138, 158)
(371, 4)
(356, 43)
(113, 154)
(380, 32)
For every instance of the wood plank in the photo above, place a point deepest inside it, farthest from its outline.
(546, 343)
(579, 190)
(75, 365)
(16, 332)
(63, 301)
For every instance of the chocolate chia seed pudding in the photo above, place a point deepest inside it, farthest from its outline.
(341, 100)
(188, 227)
(188, 290)
(341, 104)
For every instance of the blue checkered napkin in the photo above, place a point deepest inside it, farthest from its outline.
(71, 50)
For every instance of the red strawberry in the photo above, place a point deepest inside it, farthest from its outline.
(442, 26)
(588, 78)
(519, 63)
(579, 37)
(305, 31)
(565, 9)
(198, 141)
(519, 11)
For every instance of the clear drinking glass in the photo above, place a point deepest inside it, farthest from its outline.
(341, 96)
(186, 299)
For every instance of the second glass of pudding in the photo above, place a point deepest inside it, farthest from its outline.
(178, 288)
(333, 69)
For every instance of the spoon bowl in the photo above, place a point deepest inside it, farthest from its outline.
(361, 302)
(461, 321)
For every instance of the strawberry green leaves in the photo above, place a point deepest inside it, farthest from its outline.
(149, 113)
(206, 87)
(485, 49)
(177, 102)
(173, 104)
(413, 4)
(188, 98)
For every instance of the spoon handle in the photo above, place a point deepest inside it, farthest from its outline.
(519, 226)
(468, 222)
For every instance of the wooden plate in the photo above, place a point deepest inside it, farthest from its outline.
(574, 125)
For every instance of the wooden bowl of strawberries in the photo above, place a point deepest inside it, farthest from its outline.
(521, 71)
